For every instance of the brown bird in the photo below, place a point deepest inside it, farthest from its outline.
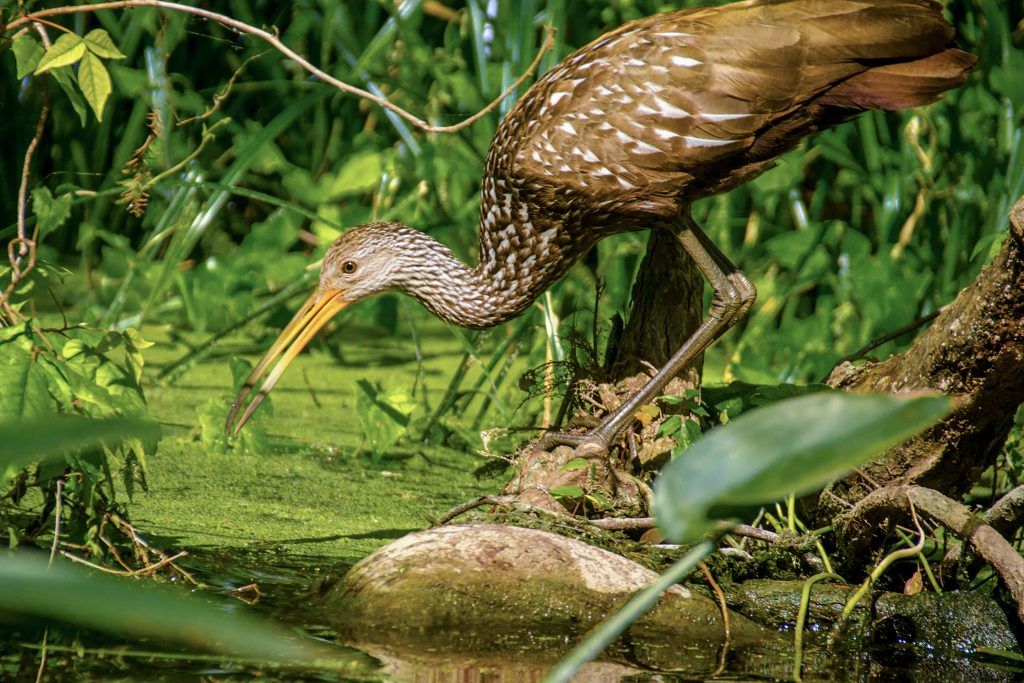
(625, 134)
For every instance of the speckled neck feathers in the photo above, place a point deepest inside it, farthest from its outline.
(519, 259)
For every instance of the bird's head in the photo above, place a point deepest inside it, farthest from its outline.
(364, 261)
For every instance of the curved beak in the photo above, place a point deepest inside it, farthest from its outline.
(320, 307)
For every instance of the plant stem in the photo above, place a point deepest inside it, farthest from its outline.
(641, 602)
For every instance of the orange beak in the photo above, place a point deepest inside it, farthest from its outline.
(320, 307)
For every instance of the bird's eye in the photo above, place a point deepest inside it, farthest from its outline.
(348, 267)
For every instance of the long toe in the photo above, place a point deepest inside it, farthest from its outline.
(551, 440)
(586, 445)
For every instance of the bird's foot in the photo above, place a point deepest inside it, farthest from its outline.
(586, 445)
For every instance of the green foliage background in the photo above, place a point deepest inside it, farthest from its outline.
(861, 231)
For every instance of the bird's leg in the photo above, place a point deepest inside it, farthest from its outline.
(733, 296)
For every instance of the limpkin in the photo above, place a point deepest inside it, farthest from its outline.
(623, 135)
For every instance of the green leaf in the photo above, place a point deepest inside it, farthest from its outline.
(94, 81)
(50, 212)
(23, 382)
(27, 53)
(64, 593)
(384, 415)
(23, 442)
(575, 464)
(793, 446)
(566, 491)
(361, 173)
(66, 50)
(99, 43)
(65, 78)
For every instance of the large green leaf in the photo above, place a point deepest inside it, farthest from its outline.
(792, 446)
(67, 594)
(94, 81)
(23, 442)
(99, 43)
(66, 50)
(23, 381)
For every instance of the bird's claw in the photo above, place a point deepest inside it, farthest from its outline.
(585, 445)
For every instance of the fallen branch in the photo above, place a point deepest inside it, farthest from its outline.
(463, 508)
(855, 530)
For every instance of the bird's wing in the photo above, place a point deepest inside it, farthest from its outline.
(648, 108)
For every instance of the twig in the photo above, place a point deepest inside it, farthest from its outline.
(205, 140)
(82, 560)
(22, 244)
(722, 658)
(121, 572)
(219, 98)
(895, 334)
(276, 43)
(127, 528)
(754, 532)
(57, 513)
(158, 565)
(623, 523)
(467, 506)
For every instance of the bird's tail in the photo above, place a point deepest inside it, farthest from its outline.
(903, 84)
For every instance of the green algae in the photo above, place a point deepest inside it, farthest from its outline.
(310, 490)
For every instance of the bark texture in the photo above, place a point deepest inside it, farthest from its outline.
(973, 350)
(667, 308)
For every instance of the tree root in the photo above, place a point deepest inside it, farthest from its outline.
(973, 350)
(855, 530)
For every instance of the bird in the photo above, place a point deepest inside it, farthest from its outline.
(624, 135)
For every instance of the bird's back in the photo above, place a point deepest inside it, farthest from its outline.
(680, 105)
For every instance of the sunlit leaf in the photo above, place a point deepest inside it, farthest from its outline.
(360, 173)
(65, 593)
(793, 446)
(94, 81)
(99, 43)
(566, 491)
(66, 50)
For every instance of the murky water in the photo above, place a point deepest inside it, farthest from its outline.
(287, 589)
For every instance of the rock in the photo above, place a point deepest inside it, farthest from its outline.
(488, 589)
(890, 636)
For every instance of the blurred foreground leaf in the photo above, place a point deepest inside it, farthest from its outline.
(24, 442)
(66, 593)
(793, 446)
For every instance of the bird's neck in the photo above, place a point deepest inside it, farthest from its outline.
(519, 259)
